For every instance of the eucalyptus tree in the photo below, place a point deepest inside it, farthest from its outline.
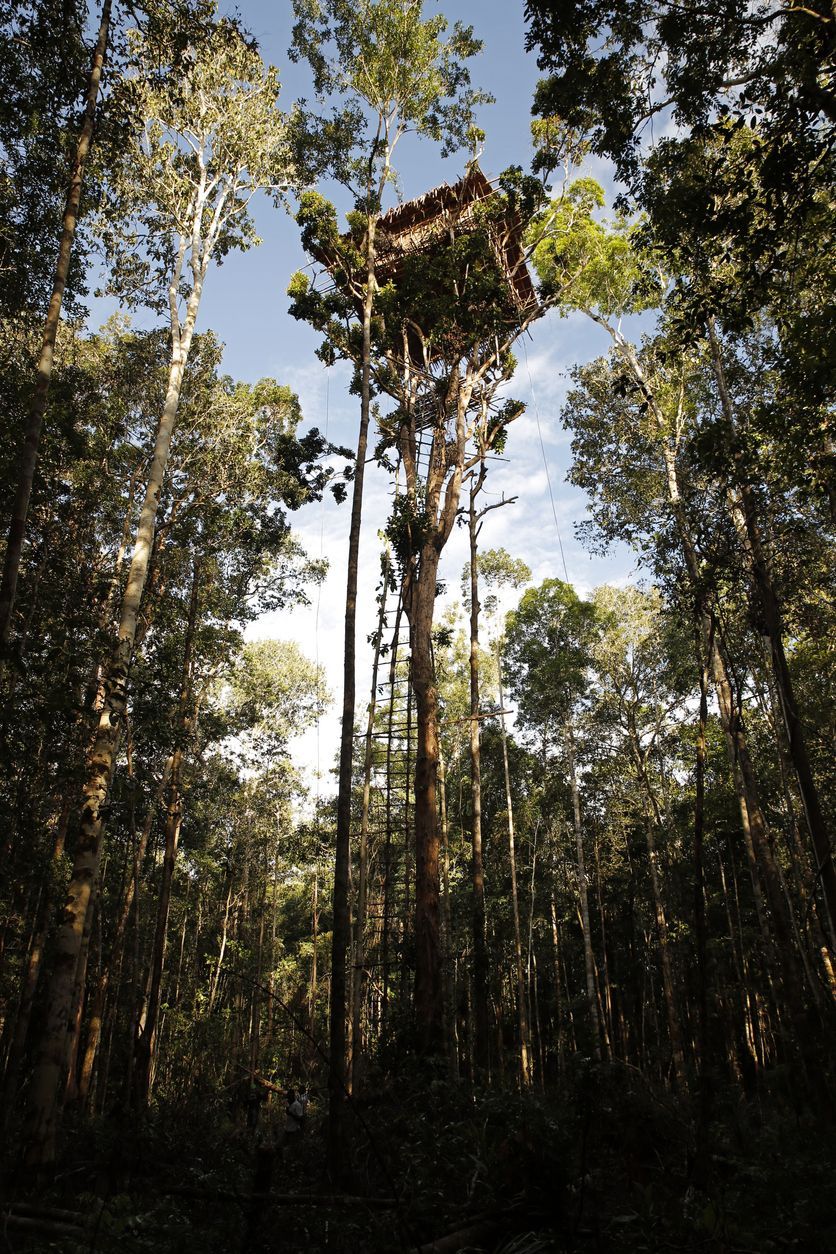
(397, 75)
(79, 530)
(180, 201)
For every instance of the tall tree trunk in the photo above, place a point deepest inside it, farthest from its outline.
(42, 1122)
(558, 1006)
(522, 1000)
(387, 846)
(407, 827)
(440, 500)
(271, 981)
(76, 1013)
(803, 879)
(359, 972)
(532, 984)
(314, 981)
(480, 951)
(258, 984)
(216, 977)
(146, 1040)
(341, 906)
(446, 922)
(654, 823)
(589, 959)
(429, 1005)
(672, 1014)
(701, 936)
(606, 1016)
(37, 408)
(753, 1053)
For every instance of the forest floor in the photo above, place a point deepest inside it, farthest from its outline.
(604, 1163)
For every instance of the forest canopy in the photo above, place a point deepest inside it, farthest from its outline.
(543, 959)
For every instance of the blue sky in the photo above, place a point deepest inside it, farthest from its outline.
(256, 283)
(245, 304)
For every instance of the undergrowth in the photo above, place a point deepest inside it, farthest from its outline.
(603, 1163)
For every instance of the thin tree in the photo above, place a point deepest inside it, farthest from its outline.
(146, 1040)
(522, 998)
(359, 969)
(481, 1055)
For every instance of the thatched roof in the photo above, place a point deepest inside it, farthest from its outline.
(418, 224)
(445, 201)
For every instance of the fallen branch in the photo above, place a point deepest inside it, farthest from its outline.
(42, 1225)
(334, 1200)
(44, 1212)
(463, 1239)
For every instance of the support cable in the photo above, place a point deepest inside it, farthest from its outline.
(545, 462)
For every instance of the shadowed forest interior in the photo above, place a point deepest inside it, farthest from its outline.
(535, 951)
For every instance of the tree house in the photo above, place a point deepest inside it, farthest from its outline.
(420, 225)
(429, 222)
